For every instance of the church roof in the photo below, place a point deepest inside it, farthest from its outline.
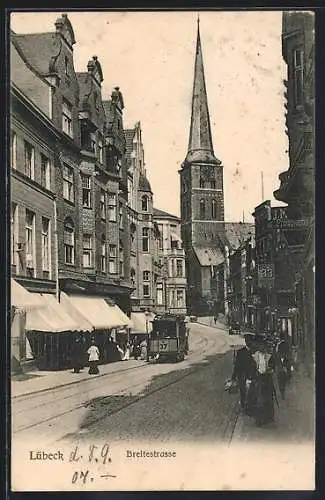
(200, 147)
(144, 184)
(164, 215)
(209, 256)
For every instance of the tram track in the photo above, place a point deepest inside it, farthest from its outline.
(196, 356)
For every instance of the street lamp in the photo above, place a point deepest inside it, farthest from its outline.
(147, 314)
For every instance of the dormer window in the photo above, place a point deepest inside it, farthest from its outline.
(67, 118)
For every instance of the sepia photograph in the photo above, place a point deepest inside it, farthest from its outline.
(162, 255)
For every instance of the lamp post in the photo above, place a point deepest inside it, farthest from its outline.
(147, 314)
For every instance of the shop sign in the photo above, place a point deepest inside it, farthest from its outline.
(265, 275)
(289, 224)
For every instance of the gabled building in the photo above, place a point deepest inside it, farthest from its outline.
(171, 280)
(144, 236)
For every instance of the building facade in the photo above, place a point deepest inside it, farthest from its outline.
(144, 236)
(171, 281)
(297, 184)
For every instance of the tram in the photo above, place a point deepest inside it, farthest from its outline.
(169, 338)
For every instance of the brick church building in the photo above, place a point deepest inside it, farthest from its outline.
(207, 238)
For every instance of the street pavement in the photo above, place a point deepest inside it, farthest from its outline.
(175, 406)
(165, 391)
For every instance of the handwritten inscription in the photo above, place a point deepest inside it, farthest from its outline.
(95, 455)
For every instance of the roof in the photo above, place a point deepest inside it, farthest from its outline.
(84, 92)
(208, 256)
(238, 232)
(164, 215)
(144, 184)
(129, 136)
(200, 147)
(29, 48)
(108, 112)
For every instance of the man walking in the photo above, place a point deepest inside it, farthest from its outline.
(244, 369)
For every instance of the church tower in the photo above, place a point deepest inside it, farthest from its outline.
(202, 197)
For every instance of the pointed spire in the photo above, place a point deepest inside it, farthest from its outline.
(200, 147)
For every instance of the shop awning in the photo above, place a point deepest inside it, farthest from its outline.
(97, 312)
(126, 321)
(23, 299)
(139, 322)
(74, 312)
(53, 317)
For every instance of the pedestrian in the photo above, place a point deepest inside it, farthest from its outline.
(283, 365)
(244, 371)
(143, 348)
(127, 351)
(93, 358)
(263, 384)
(78, 354)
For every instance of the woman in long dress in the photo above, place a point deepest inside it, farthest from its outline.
(263, 385)
(93, 358)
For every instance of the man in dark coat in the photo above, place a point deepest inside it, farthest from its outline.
(78, 354)
(244, 369)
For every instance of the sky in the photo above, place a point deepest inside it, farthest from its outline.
(150, 56)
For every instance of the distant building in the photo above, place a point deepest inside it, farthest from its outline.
(171, 282)
(144, 235)
(297, 184)
(205, 235)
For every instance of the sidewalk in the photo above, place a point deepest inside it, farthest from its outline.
(40, 381)
(295, 417)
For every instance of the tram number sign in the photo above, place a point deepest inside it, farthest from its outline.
(265, 274)
(163, 345)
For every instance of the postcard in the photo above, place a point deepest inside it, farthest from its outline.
(162, 250)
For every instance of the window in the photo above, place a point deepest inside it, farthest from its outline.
(45, 171)
(93, 143)
(46, 247)
(103, 254)
(121, 255)
(213, 184)
(146, 275)
(159, 294)
(87, 251)
(202, 184)
(67, 118)
(298, 57)
(29, 160)
(112, 207)
(202, 209)
(144, 203)
(68, 183)
(30, 243)
(146, 290)
(121, 215)
(179, 268)
(14, 233)
(13, 151)
(179, 298)
(214, 209)
(66, 66)
(161, 238)
(69, 242)
(86, 190)
(112, 259)
(102, 204)
(100, 151)
(145, 239)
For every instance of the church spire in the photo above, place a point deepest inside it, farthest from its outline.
(200, 147)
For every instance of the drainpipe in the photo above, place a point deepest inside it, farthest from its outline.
(56, 252)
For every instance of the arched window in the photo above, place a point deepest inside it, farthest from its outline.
(144, 203)
(69, 241)
(214, 210)
(202, 209)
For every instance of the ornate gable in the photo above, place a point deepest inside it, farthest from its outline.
(64, 28)
(95, 69)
